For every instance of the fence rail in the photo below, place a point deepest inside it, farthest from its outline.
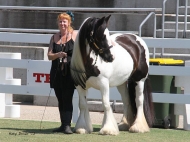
(80, 9)
(41, 89)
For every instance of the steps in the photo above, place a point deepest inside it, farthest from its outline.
(170, 33)
(170, 25)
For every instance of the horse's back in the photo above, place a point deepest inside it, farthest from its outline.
(138, 50)
(130, 40)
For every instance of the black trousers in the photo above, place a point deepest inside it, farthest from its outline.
(64, 97)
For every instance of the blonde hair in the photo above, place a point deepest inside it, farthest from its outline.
(68, 17)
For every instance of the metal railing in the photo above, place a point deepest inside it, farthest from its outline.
(185, 20)
(145, 20)
(80, 9)
(154, 31)
(46, 31)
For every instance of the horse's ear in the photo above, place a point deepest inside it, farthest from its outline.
(101, 21)
(107, 18)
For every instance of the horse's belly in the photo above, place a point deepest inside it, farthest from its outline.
(119, 72)
(114, 80)
(119, 77)
(118, 81)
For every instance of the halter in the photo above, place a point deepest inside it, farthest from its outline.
(100, 50)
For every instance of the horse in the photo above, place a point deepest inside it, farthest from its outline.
(101, 61)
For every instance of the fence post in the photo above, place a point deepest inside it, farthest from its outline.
(184, 109)
(186, 116)
(7, 109)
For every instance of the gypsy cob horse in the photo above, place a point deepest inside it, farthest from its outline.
(100, 61)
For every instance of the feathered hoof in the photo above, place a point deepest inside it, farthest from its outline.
(123, 126)
(108, 132)
(81, 131)
(139, 128)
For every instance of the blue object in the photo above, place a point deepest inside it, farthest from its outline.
(71, 15)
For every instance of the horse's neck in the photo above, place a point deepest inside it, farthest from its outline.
(76, 56)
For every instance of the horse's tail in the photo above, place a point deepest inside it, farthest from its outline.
(148, 103)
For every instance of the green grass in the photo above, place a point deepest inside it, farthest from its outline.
(29, 131)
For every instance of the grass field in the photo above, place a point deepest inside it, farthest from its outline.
(29, 131)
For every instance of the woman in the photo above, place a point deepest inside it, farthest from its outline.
(60, 52)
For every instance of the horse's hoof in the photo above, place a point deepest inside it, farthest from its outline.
(81, 131)
(108, 132)
(123, 126)
(139, 128)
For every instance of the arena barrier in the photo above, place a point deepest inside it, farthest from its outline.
(38, 80)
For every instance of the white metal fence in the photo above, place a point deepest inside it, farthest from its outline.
(38, 73)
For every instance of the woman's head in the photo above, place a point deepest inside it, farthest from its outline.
(64, 20)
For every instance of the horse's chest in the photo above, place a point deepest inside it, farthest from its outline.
(121, 72)
(118, 71)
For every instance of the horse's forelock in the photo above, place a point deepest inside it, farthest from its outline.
(100, 30)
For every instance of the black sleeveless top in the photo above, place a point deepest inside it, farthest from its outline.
(57, 79)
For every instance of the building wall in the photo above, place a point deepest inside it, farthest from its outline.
(47, 20)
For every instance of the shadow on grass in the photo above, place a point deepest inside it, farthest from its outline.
(24, 131)
(29, 131)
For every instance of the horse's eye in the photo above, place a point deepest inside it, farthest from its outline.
(104, 36)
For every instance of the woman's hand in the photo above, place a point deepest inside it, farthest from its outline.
(61, 54)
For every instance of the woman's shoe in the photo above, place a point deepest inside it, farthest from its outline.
(67, 130)
(63, 129)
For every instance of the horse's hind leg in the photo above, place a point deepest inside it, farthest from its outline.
(83, 124)
(140, 123)
(128, 117)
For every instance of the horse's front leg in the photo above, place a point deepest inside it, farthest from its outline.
(109, 124)
(83, 124)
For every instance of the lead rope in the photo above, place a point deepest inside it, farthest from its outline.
(47, 102)
(45, 110)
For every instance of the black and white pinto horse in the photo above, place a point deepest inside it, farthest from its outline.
(101, 60)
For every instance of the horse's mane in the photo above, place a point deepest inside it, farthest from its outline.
(84, 33)
(78, 71)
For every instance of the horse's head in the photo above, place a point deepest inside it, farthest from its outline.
(98, 37)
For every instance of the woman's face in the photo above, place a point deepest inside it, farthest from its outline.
(63, 24)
